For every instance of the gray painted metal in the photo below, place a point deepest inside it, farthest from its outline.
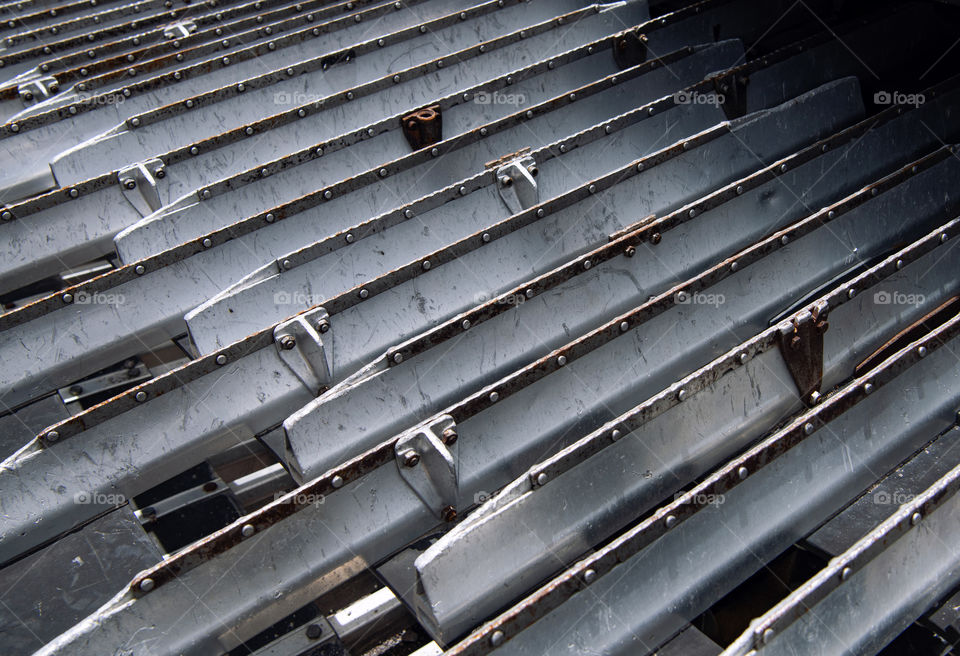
(875, 589)
(769, 497)
(500, 554)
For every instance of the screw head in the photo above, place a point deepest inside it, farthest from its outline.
(450, 436)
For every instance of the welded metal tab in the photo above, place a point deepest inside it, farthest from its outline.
(427, 460)
(38, 89)
(423, 127)
(630, 48)
(140, 185)
(802, 350)
(180, 29)
(517, 183)
(301, 347)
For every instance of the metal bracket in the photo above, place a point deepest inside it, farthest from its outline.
(427, 460)
(138, 183)
(38, 89)
(517, 182)
(300, 347)
(179, 30)
(732, 93)
(423, 127)
(630, 49)
(802, 350)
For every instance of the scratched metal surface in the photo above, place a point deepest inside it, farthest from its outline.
(659, 253)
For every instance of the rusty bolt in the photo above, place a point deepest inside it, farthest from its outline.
(287, 342)
(449, 514)
(323, 326)
(795, 342)
(314, 631)
(450, 436)
(411, 458)
(630, 252)
(655, 238)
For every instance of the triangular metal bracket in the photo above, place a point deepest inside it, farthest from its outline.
(301, 347)
(802, 348)
(140, 185)
(427, 460)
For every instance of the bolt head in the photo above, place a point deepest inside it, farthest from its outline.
(323, 326)
(411, 458)
(450, 436)
(287, 342)
(314, 631)
(449, 514)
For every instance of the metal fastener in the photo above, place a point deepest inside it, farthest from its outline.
(141, 396)
(494, 397)
(287, 342)
(337, 481)
(247, 530)
(411, 458)
(221, 359)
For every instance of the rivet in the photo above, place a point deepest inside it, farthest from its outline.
(624, 326)
(783, 168)
(815, 397)
(494, 397)
(135, 121)
(944, 237)
(350, 238)
(868, 388)
(140, 396)
(808, 429)
(52, 436)
(562, 360)
(496, 638)
(146, 585)
(381, 42)
(572, 97)
(587, 264)
(655, 238)
(194, 150)
(485, 237)
(270, 217)
(742, 473)
(692, 213)
(73, 193)
(742, 358)
(615, 434)
(247, 530)
(671, 521)
(396, 78)
(874, 191)
(681, 395)
(734, 266)
(423, 29)
(207, 242)
(328, 194)
(221, 359)
(650, 111)
(767, 635)
(241, 87)
(739, 189)
(67, 298)
(139, 270)
(465, 324)
(785, 240)
(608, 129)
(845, 573)
(915, 518)
(249, 131)
(337, 481)
(851, 292)
(318, 152)
(592, 189)
(589, 576)
(434, 151)
(922, 351)
(226, 61)
(899, 264)
(426, 265)
(463, 191)
(364, 293)
(383, 173)
(542, 478)
(541, 213)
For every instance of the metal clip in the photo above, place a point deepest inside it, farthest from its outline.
(423, 127)
(732, 94)
(427, 460)
(38, 90)
(300, 347)
(179, 30)
(802, 350)
(630, 49)
(517, 182)
(138, 183)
